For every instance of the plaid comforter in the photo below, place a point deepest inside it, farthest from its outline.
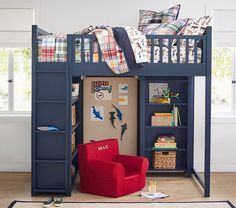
(52, 48)
(111, 51)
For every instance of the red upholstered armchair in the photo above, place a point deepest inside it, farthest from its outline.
(103, 171)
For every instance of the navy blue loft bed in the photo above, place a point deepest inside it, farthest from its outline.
(51, 104)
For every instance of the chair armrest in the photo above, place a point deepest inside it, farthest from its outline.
(100, 169)
(136, 163)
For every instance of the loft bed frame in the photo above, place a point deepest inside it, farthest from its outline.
(51, 104)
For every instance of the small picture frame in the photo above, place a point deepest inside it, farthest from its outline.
(75, 89)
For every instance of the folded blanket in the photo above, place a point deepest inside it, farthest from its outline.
(123, 41)
(111, 51)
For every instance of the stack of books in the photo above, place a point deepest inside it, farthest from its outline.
(165, 142)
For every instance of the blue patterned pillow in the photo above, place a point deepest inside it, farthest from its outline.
(146, 16)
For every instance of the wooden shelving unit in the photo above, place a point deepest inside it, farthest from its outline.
(182, 133)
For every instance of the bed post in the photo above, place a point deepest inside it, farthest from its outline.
(208, 112)
(34, 60)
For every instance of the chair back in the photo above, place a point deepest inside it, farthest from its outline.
(97, 150)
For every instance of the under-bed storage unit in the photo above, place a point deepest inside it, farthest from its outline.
(51, 172)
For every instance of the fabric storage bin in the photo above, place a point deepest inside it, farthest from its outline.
(73, 115)
(162, 120)
(73, 144)
(164, 159)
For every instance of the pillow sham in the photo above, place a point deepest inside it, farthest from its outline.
(146, 16)
(195, 27)
(169, 28)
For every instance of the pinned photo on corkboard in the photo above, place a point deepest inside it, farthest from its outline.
(123, 88)
(94, 84)
(97, 113)
(123, 100)
(103, 92)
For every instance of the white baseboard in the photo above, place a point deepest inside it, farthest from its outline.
(15, 166)
(217, 167)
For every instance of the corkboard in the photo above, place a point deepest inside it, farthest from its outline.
(98, 130)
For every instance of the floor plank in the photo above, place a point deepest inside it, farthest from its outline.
(17, 186)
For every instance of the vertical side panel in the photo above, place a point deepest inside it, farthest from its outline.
(142, 84)
(190, 125)
(208, 114)
(70, 51)
(33, 121)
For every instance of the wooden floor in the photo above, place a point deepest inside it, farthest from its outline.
(17, 186)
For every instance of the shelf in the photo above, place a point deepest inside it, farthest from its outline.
(168, 81)
(50, 161)
(170, 149)
(50, 190)
(50, 71)
(166, 127)
(50, 132)
(74, 100)
(50, 101)
(164, 104)
(75, 126)
(177, 170)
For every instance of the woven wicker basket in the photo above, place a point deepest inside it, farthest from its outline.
(73, 115)
(73, 144)
(164, 159)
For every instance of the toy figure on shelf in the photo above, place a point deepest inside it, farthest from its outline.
(119, 113)
(112, 118)
(168, 94)
(123, 129)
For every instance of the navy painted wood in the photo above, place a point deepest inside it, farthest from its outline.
(51, 104)
(50, 100)
(101, 69)
(142, 116)
(190, 118)
(177, 84)
(208, 114)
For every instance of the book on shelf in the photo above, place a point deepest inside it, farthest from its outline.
(165, 145)
(165, 142)
(164, 148)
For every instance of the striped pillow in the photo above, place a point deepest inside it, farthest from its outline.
(146, 16)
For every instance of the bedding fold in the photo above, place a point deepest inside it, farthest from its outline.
(123, 41)
(112, 53)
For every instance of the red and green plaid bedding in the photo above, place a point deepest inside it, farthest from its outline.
(52, 48)
(111, 51)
